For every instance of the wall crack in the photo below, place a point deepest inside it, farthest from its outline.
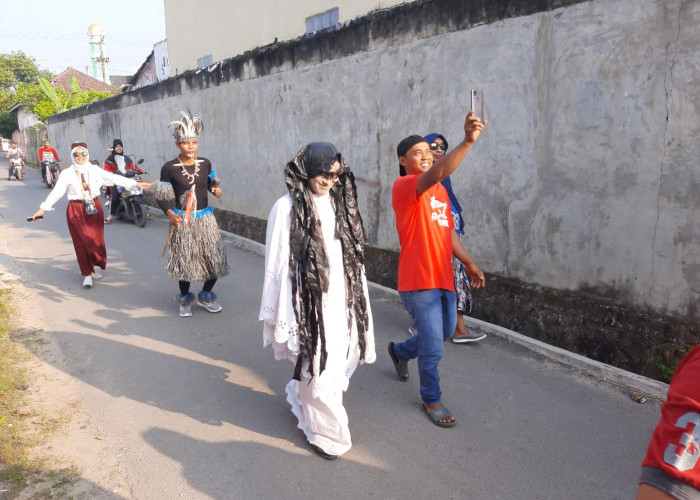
(671, 49)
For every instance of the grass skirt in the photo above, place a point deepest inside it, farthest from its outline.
(196, 251)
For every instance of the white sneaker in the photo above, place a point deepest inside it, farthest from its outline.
(470, 337)
(96, 274)
(87, 282)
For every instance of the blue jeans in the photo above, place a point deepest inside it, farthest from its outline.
(434, 313)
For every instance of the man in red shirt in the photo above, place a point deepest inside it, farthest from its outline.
(428, 241)
(671, 469)
(47, 154)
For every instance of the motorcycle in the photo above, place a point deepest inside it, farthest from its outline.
(131, 206)
(52, 170)
(16, 168)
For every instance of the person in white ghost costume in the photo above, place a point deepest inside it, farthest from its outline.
(315, 302)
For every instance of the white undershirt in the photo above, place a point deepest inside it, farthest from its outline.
(121, 164)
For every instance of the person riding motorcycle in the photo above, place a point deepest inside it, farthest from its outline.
(118, 163)
(14, 152)
(46, 154)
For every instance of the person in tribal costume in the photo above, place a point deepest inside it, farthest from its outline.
(315, 303)
(196, 250)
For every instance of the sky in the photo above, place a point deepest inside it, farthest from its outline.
(54, 32)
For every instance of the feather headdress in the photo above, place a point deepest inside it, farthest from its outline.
(187, 129)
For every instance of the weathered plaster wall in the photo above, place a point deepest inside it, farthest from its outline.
(585, 180)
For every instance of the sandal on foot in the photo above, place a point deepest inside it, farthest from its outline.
(108, 220)
(439, 413)
(401, 369)
(321, 453)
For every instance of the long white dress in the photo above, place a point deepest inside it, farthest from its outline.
(317, 405)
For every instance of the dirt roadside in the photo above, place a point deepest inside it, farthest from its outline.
(69, 456)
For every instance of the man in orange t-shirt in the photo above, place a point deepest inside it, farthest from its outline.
(428, 241)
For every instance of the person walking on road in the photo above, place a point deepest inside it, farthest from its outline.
(428, 241)
(81, 182)
(196, 249)
(315, 302)
(465, 278)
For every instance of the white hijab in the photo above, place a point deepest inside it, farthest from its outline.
(81, 169)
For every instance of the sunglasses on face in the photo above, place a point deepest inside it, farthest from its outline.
(434, 146)
(76, 154)
(331, 176)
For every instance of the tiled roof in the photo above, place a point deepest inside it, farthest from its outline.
(86, 82)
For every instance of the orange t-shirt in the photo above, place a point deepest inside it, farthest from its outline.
(425, 225)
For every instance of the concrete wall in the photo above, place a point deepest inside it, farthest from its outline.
(585, 179)
(231, 28)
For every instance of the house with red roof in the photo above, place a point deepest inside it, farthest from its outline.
(85, 81)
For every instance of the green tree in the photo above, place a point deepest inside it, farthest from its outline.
(57, 100)
(16, 70)
(21, 80)
(28, 92)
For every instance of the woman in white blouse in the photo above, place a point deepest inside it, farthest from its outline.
(81, 182)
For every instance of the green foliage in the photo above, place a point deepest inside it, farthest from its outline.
(57, 100)
(7, 123)
(18, 74)
(87, 96)
(17, 68)
(22, 81)
(28, 92)
(662, 359)
(74, 84)
(44, 109)
(49, 92)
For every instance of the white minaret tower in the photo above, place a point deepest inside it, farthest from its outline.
(96, 36)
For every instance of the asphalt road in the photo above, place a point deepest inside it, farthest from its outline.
(195, 407)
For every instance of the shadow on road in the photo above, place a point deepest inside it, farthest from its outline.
(198, 399)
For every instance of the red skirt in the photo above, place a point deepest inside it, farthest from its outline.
(88, 234)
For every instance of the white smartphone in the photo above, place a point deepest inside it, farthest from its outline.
(478, 104)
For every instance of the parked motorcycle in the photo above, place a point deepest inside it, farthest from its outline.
(15, 168)
(131, 206)
(52, 170)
